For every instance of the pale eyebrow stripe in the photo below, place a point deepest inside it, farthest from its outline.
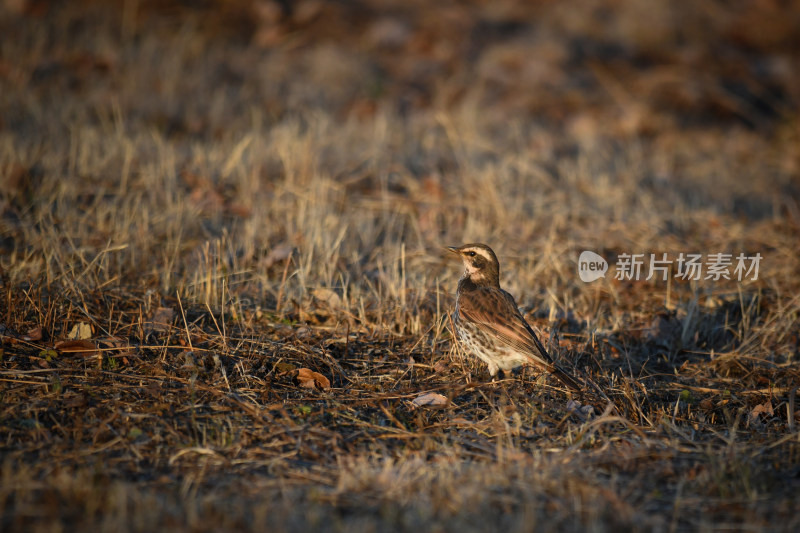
(483, 253)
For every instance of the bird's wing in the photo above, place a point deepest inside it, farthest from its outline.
(496, 313)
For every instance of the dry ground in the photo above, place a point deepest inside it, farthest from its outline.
(210, 197)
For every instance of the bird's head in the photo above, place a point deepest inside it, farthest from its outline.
(480, 263)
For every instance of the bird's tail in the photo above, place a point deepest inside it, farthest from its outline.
(562, 375)
(565, 378)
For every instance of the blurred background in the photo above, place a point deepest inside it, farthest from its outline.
(626, 67)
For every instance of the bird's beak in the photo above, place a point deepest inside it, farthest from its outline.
(454, 249)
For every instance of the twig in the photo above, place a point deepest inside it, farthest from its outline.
(185, 325)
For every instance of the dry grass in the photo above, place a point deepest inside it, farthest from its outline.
(227, 194)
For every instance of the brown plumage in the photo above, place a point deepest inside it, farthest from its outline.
(488, 322)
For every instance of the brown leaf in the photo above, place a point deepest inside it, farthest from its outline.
(758, 412)
(763, 409)
(34, 334)
(432, 400)
(79, 347)
(306, 377)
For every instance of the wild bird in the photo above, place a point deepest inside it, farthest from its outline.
(489, 324)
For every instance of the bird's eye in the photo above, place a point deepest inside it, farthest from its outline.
(471, 254)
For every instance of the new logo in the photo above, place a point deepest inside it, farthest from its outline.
(591, 266)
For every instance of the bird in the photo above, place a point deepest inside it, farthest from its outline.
(488, 323)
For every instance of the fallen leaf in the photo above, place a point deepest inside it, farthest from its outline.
(79, 347)
(161, 321)
(34, 334)
(80, 331)
(306, 377)
(432, 400)
(758, 412)
(764, 408)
